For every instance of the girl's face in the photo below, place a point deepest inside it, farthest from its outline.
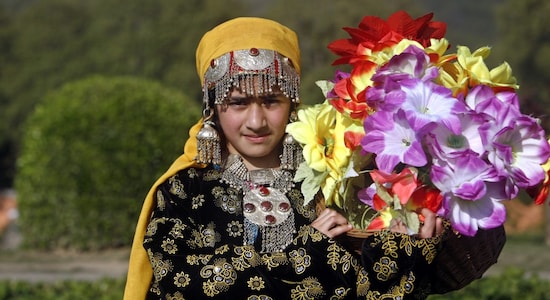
(254, 126)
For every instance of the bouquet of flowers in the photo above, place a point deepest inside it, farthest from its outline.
(412, 126)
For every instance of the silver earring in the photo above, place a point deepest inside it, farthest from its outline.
(208, 143)
(292, 155)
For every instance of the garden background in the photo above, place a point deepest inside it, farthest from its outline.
(96, 98)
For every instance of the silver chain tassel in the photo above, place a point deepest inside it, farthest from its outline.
(292, 155)
(208, 145)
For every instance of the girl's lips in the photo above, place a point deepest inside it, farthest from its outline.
(257, 139)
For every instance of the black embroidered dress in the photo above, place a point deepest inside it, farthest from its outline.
(195, 245)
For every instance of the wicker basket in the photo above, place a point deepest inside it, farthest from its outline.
(464, 259)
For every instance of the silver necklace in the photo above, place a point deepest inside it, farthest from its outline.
(266, 208)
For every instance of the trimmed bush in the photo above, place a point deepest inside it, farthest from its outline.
(91, 150)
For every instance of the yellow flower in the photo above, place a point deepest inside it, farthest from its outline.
(320, 129)
(474, 65)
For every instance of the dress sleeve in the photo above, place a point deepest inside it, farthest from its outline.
(400, 265)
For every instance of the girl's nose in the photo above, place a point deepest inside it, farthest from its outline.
(256, 117)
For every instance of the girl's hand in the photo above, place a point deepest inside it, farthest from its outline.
(432, 225)
(331, 223)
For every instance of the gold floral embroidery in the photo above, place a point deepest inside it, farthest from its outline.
(429, 250)
(176, 187)
(235, 229)
(300, 260)
(177, 229)
(182, 279)
(407, 244)
(306, 232)
(161, 203)
(340, 293)
(385, 268)
(273, 260)
(196, 259)
(390, 248)
(169, 246)
(259, 297)
(160, 267)
(221, 250)
(176, 296)
(309, 288)
(192, 172)
(229, 201)
(256, 283)
(211, 175)
(206, 236)
(153, 226)
(246, 258)
(197, 201)
(220, 276)
(363, 283)
(297, 199)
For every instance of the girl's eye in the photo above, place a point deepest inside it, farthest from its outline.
(236, 102)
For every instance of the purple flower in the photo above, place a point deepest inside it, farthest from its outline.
(468, 216)
(517, 151)
(427, 103)
(443, 143)
(391, 138)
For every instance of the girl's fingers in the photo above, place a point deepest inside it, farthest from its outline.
(331, 223)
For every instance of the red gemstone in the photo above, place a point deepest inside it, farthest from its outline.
(284, 206)
(249, 207)
(213, 63)
(264, 191)
(254, 52)
(270, 219)
(266, 205)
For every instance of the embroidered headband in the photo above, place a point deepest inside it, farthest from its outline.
(253, 54)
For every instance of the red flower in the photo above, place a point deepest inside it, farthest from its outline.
(375, 34)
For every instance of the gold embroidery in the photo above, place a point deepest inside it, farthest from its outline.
(259, 297)
(300, 260)
(177, 229)
(194, 259)
(235, 228)
(161, 203)
(169, 246)
(206, 236)
(340, 293)
(197, 201)
(273, 260)
(229, 201)
(407, 244)
(221, 250)
(220, 276)
(176, 187)
(181, 279)
(246, 258)
(176, 296)
(308, 289)
(160, 267)
(385, 268)
(256, 283)
(390, 247)
(363, 283)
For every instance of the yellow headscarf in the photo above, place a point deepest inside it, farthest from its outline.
(236, 34)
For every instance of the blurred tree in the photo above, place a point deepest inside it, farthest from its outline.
(90, 152)
(50, 42)
(525, 43)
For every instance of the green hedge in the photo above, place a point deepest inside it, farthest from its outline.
(90, 152)
(511, 285)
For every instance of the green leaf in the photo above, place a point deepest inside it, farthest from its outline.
(311, 181)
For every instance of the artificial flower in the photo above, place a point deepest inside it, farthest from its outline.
(414, 125)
